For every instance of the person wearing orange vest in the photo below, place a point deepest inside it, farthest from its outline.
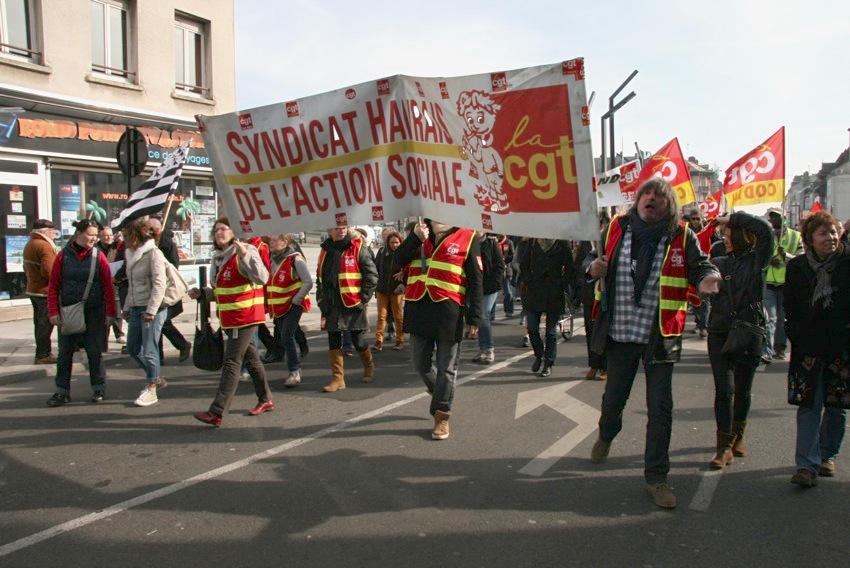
(238, 275)
(346, 281)
(287, 297)
(444, 288)
(643, 269)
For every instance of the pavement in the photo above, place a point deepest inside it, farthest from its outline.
(17, 341)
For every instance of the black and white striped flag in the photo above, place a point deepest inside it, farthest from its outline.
(152, 196)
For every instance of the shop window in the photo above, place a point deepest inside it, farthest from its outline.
(17, 210)
(18, 30)
(111, 36)
(190, 57)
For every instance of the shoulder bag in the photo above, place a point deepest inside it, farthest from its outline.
(745, 339)
(208, 346)
(74, 316)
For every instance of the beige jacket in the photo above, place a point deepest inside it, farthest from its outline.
(146, 277)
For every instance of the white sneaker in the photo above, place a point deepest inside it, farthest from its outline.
(146, 398)
(122, 340)
(294, 379)
(246, 376)
(489, 357)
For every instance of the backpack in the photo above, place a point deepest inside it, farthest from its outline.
(175, 285)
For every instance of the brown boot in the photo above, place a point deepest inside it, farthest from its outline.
(368, 365)
(723, 457)
(739, 449)
(337, 371)
(441, 425)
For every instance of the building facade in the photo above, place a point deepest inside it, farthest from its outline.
(75, 75)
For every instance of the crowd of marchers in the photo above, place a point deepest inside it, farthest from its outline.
(754, 285)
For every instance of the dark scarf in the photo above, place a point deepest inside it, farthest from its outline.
(823, 270)
(645, 239)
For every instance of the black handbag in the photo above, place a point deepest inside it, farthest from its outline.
(746, 339)
(208, 346)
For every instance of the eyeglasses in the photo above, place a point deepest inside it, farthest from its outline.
(221, 228)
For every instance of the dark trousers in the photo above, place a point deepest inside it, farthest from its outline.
(623, 361)
(43, 327)
(286, 327)
(733, 381)
(170, 332)
(240, 347)
(549, 350)
(274, 349)
(94, 342)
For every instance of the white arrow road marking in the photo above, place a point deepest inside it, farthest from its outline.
(556, 397)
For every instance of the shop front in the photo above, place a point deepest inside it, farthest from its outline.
(64, 168)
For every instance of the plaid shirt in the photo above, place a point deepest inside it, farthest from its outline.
(630, 322)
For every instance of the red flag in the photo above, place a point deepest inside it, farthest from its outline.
(816, 206)
(704, 236)
(710, 208)
(759, 176)
(669, 164)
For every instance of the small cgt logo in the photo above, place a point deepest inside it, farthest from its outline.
(383, 87)
(246, 122)
(676, 259)
(350, 94)
(585, 115)
(486, 222)
(499, 81)
(453, 249)
(574, 67)
(292, 109)
(341, 220)
(377, 213)
(419, 89)
(444, 90)
(246, 226)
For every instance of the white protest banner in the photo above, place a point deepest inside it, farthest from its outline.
(508, 152)
(618, 186)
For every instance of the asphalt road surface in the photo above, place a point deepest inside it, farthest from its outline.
(354, 479)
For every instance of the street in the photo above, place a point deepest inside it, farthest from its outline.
(353, 477)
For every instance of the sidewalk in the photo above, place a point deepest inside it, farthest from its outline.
(17, 340)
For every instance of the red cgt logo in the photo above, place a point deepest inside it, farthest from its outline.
(246, 226)
(487, 221)
(377, 213)
(292, 109)
(419, 88)
(499, 82)
(341, 220)
(350, 94)
(246, 122)
(383, 87)
(444, 90)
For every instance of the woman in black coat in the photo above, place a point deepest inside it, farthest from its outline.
(546, 269)
(749, 246)
(817, 309)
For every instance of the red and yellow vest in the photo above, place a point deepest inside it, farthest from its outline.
(673, 303)
(350, 277)
(444, 277)
(239, 302)
(282, 287)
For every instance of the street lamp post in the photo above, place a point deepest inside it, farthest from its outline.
(612, 108)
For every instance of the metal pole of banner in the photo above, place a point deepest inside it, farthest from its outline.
(612, 108)
(202, 276)
(422, 249)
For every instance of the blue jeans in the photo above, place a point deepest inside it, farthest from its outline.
(550, 350)
(485, 331)
(508, 296)
(143, 340)
(440, 373)
(820, 431)
(623, 360)
(774, 303)
(701, 313)
(286, 325)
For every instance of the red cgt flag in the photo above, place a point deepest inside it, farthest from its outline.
(759, 176)
(816, 206)
(669, 164)
(710, 208)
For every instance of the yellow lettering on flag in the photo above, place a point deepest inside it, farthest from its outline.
(767, 191)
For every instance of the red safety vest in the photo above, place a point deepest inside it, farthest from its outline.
(282, 287)
(673, 303)
(239, 302)
(444, 277)
(350, 277)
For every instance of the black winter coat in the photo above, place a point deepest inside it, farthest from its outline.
(744, 278)
(338, 317)
(494, 264)
(545, 276)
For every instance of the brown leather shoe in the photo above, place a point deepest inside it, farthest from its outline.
(441, 425)
(48, 360)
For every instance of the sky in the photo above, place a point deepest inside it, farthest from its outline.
(720, 75)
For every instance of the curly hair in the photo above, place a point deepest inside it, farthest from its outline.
(814, 222)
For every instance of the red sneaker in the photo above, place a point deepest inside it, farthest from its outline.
(209, 418)
(261, 407)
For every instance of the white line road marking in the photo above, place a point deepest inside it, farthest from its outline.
(705, 491)
(175, 487)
